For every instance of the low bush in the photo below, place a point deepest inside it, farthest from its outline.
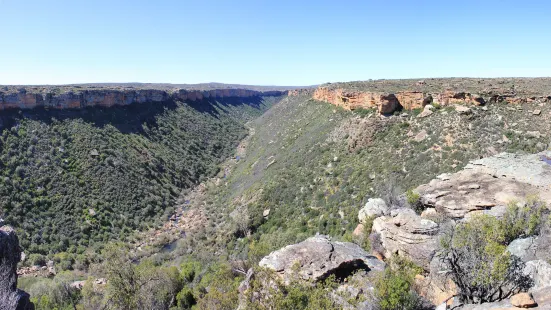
(394, 287)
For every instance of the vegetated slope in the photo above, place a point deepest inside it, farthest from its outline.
(313, 165)
(78, 177)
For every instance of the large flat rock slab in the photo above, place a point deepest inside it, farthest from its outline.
(489, 182)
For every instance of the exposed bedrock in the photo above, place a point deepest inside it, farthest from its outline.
(28, 99)
(487, 185)
(386, 102)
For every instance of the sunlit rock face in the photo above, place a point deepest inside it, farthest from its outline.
(71, 99)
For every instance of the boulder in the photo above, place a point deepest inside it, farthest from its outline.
(420, 136)
(407, 234)
(11, 298)
(461, 109)
(359, 230)
(318, 257)
(524, 248)
(427, 111)
(523, 300)
(388, 104)
(373, 208)
(540, 272)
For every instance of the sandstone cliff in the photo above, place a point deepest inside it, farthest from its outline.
(66, 98)
(386, 102)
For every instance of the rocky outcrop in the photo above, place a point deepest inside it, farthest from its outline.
(487, 185)
(407, 234)
(318, 257)
(540, 272)
(74, 98)
(384, 102)
(524, 248)
(11, 298)
(388, 102)
(373, 208)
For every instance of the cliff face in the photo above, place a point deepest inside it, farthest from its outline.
(10, 254)
(390, 102)
(28, 99)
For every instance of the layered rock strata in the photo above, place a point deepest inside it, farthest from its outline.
(387, 102)
(25, 99)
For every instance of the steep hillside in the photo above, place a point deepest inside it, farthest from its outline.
(74, 178)
(310, 165)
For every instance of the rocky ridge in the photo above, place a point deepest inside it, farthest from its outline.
(391, 95)
(71, 98)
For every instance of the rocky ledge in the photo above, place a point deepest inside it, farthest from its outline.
(66, 98)
(388, 102)
(487, 185)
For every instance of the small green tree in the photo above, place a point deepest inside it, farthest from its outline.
(476, 258)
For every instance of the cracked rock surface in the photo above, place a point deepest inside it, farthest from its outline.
(488, 183)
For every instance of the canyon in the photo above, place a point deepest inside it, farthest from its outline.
(387, 96)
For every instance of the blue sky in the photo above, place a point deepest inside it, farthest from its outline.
(270, 42)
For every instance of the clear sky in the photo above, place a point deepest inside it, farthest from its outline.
(275, 42)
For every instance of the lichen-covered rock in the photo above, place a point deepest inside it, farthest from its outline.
(409, 235)
(318, 257)
(10, 254)
(540, 272)
(524, 248)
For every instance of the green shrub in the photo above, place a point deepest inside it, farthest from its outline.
(189, 269)
(185, 298)
(394, 287)
(36, 259)
(267, 291)
(476, 257)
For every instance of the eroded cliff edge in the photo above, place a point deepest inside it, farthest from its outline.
(391, 95)
(74, 98)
